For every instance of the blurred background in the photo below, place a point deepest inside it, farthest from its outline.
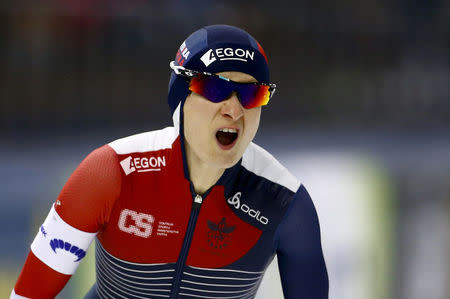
(361, 116)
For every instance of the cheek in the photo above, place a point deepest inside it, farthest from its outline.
(196, 118)
(188, 122)
(252, 121)
(191, 125)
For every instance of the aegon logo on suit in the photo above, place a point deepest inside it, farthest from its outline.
(142, 164)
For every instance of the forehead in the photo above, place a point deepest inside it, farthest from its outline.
(238, 77)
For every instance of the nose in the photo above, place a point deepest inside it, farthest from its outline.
(232, 108)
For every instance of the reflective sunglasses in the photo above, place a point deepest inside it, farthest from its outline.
(217, 88)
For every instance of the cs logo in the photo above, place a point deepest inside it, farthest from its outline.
(139, 224)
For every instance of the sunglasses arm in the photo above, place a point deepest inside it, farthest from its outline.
(179, 70)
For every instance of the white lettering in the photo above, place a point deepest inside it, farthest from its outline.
(262, 219)
(240, 53)
(153, 162)
(123, 220)
(166, 228)
(228, 52)
(249, 55)
(183, 46)
(185, 53)
(142, 223)
(162, 161)
(219, 52)
(253, 213)
(137, 162)
(144, 162)
(236, 202)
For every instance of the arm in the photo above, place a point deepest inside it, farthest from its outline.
(300, 260)
(82, 207)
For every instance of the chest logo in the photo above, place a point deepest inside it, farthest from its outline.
(235, 201)
(138, 224)
(142, 164)
(219, 233)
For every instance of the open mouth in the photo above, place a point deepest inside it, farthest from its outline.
(226, 136)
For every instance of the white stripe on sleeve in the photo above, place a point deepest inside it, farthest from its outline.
(59, 245)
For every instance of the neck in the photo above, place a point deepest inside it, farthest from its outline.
(202, 174)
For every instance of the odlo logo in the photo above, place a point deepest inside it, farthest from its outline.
(218, 235)
(236, 202)
(226, 54)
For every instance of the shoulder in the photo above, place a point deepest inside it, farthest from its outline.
(145, 142)
(260, 162)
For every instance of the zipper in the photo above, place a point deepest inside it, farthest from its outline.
(197, 202)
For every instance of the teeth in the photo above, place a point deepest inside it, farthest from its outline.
(228, 130)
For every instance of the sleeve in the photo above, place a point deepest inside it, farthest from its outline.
(300, 259)
(81, 209)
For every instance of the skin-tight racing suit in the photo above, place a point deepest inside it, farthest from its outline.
(156, 238)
